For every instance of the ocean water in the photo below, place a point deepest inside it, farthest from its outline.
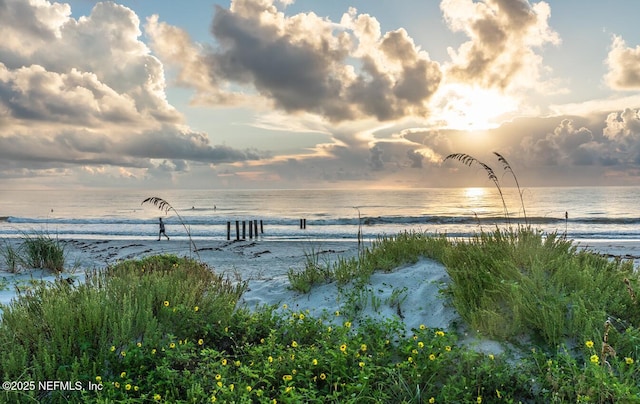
(584, 213)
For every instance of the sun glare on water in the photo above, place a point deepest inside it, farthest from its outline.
(474, 193)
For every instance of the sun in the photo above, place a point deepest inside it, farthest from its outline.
(464, 107)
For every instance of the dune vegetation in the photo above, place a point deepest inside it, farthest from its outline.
(167, 329)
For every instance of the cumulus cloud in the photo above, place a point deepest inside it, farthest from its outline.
(624, 66)
(304, 63)
(503, 38)
(88, 92)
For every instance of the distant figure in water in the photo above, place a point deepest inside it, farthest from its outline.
(162, 233)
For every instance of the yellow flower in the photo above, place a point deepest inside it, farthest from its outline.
(363, 347)
(432, 400)
(237, 363)
(314, 362)
(196, 308)
(439, 333)
(337, 312)
(219, 384)
(288, 389)
(294, 344)
(224, 362)
(479, 399)
(218, 376)
(410, 359)
(423, 327)
(200, 341)
(361, 364)
(213, 399)
(322, 376)
(127, 387)
(498, 393)
(491, 357)
(172, 345)
(420, 344)
(262, 340)
(113, 348)
(284, 306)
(157, 397)
(232, 386)
(432, 357)
(98, 379)
(287, 378)
(270, 359)
(139, 344)
(329, 329)
(628, 360)
(136, 388)
(447, 348)
(347, 324)
(123, 375)
(116, 385)
(414, 351)
(589, 344)
(343, 348)
(249, 388)
(594, 359)
(166, 303)
(301, 317)
(153, 351)
(123, 353)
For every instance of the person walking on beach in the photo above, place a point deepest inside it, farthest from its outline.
(162, 230)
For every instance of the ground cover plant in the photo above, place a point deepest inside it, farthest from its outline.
(167, 329)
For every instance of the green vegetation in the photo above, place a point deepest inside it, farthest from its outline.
(167, 329)
(35, 251)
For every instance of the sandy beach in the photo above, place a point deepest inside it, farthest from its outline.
(264, 265)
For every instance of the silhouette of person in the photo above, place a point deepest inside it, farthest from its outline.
(162, 232)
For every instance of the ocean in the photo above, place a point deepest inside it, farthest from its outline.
(583, 213)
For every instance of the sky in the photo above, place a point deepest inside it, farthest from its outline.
(317, 94)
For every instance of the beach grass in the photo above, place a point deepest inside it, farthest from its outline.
(37, 250)
(167, 329)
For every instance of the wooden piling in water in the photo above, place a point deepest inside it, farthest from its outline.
(261, 227)
(228, 230)
(250, 230)
(237, 230)
(244, 230)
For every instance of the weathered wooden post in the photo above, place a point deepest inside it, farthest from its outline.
(261, 227)
(228, 230)
(244, 230)
(255, 227)
(250, 230)
(237, 230)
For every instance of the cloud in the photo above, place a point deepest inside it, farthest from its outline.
(624, 66)
(503, 38)
(304, 63)
(89, 93)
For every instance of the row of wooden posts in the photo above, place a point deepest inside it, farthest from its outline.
(253, 228)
